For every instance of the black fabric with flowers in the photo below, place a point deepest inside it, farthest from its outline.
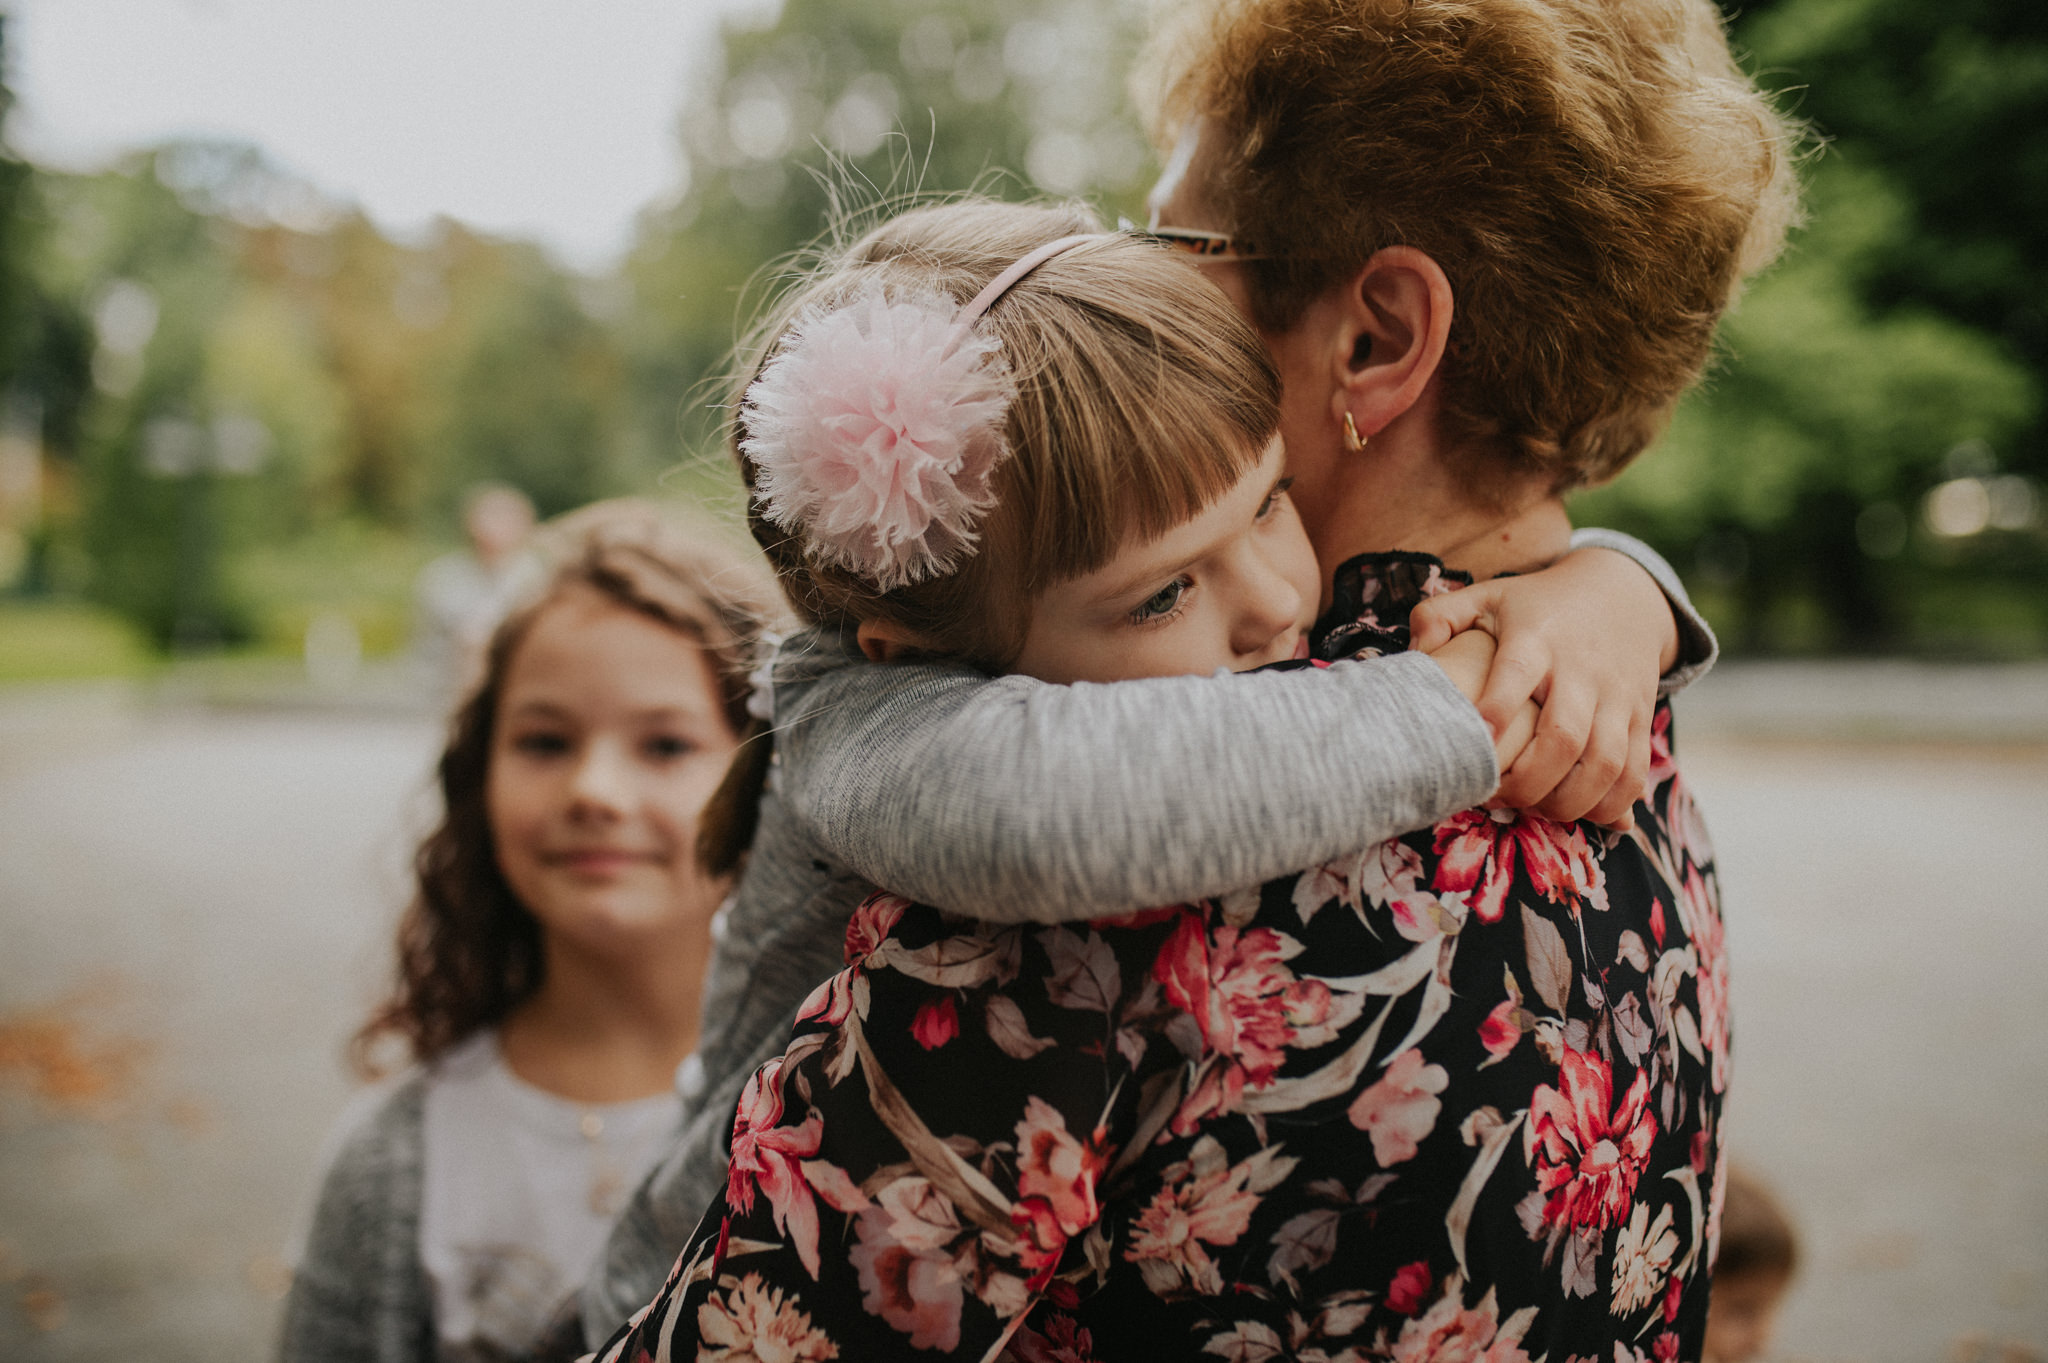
(1458, 1098)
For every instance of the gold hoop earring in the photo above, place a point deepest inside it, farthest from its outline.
(1353, 441)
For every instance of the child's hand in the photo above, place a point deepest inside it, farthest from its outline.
(1467, 659)
(1588, 637)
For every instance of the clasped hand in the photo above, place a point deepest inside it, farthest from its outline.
(1563, 666)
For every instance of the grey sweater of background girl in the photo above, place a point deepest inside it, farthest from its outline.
(359, 1293)
(1013, 800)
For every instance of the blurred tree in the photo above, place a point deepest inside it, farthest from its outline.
(44, 355)
(1948, 99)
(264, 365)
(835, 111)
(156, 278)
(532, 387)
(17, 281)
(1790, 477)
(1899, 349)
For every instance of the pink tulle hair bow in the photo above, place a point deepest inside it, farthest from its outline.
(876, 430)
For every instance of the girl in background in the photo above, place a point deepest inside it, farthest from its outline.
(551, 963)
(1757, 1260)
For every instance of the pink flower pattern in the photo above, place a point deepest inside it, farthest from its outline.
(909, 1273)
(1250, 1007)
(1451, 1332)
(1587, 1157)
(1479, 851)
(768, 1156)
(1410, 1288)
(1399, 1111)
(936, 1023)
(753, 1323)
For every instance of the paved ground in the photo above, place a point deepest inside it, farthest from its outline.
(193, 908)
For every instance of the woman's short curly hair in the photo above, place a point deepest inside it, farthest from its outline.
(1595, 177)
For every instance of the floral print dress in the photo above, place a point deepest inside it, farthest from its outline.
(1457, 1099)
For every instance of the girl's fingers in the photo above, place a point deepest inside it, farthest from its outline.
(1516, 736)
(1561, 737)
(1520, 672)
(1616, 809)
(1432, 623)
(1600, 773)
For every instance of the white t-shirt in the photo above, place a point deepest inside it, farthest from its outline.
(520, 1188)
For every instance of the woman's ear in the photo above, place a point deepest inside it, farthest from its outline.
(884, 642)
(1396, 319)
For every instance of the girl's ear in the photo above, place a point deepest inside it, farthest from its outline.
(1395, 322)
(884, 642)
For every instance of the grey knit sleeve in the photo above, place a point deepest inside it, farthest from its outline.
(359, 1294)
(1014, 800)
(1697, 647)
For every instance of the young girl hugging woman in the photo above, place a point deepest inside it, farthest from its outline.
(996, 447)
(550, 962)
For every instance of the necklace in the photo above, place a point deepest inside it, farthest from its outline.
(606, 1183)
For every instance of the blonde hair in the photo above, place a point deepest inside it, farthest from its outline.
(1595, 177)
(1140, 396)
(469, 951)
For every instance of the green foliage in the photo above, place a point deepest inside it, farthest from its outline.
(838, 112)
(1902, 344)
(353, 567)
(251, 383)
(531, 393)
(252, 405)
(54, 641)
(1815, 389)
(1949, 101)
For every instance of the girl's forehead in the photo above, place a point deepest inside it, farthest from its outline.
(585, 644)
(1216, 524)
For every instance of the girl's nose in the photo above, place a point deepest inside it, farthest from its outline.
(601, 781)
(1267, 604)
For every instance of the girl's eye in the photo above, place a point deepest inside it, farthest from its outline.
(1162, 603)
(541, 744)
(668, 747)
(1272, 502)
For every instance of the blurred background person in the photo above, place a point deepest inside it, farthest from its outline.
(1759, 1254)
(461, 596)
(550, 963)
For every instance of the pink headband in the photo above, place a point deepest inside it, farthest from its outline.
(1002, 283)
(876, 429)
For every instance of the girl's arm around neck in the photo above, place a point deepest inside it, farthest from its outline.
(1697, 647)
(1013, 800)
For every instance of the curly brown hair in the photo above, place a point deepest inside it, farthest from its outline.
(468, 951)
(1595, 177)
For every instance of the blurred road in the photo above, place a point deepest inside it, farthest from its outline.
(194, 907)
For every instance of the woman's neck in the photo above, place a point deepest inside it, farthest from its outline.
(1405, 496)
(1519, 542)
(609, 1028)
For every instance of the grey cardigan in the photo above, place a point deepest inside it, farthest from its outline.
(359, 1294)
(1013, 801)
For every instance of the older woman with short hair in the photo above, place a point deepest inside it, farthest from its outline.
(1487, 242)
